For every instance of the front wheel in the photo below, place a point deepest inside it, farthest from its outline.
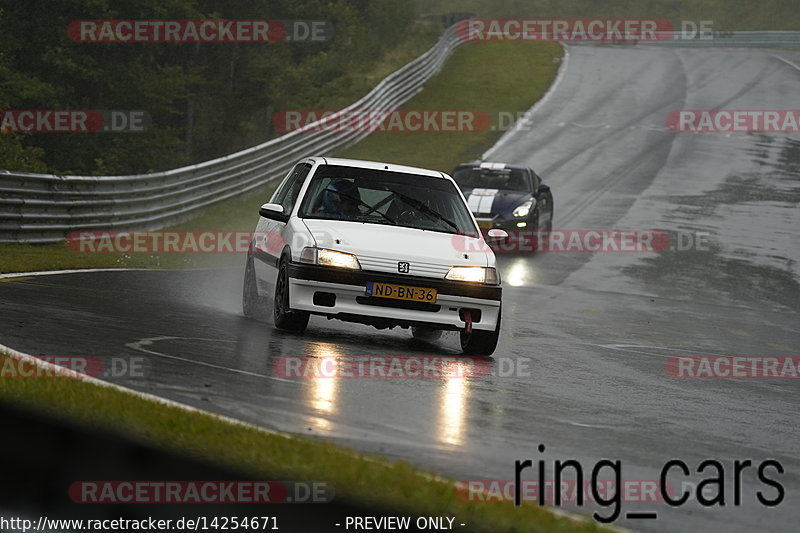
(541, 229)
(285, 318)
(550, 208)
(480, 342)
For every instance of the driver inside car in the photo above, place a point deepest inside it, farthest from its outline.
(341, 199)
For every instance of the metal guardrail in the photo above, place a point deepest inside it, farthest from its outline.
(40, 208)
(46, 208)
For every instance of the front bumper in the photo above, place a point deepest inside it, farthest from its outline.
(520, 239)
(310, 287)
(485, 223)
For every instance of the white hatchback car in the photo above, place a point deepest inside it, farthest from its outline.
(375, 243)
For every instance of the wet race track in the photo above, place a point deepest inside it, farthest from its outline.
(587, 337)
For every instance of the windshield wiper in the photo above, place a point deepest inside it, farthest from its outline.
(360, 201)
(416, 203)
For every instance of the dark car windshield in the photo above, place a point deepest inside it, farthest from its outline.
(511, 179)
(384, 197)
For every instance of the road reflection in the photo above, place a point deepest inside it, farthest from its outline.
(517, 271)
(453, 396)
(322, 392)
(453, 410)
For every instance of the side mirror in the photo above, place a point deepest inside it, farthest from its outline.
(273, 212)
(496, 235)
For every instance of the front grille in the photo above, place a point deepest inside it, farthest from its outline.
(380, 264)
(398, 304)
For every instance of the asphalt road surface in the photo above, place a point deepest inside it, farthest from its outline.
(587, 336)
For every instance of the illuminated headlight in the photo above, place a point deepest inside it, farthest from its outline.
(487, 275)
(523, 209)
(332, 258)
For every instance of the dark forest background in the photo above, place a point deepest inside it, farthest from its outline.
(205, 99)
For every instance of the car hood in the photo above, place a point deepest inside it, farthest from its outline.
(486, 201)
(380, 247)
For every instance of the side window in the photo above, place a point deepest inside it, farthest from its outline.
(294, 188)
(287, 194)
(535, 180)
(280, 193)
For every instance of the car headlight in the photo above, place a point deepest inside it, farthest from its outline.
(487, 275)
(331, 258)
(523, 209)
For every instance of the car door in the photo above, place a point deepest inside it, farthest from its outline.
(270, 234)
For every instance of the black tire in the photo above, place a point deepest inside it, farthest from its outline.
(549, 225)
(284, 317)
(426, 334)
(480, 342)
(535, 243)
(253, 305)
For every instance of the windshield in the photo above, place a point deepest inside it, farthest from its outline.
(383, 197)
(484, 178)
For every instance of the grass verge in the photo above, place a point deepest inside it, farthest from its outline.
(499, 79)
(373, 482)
(496, 79)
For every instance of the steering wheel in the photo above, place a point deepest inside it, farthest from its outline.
(407, 217)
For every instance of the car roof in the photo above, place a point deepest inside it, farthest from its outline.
(358, 163)
(488, 165)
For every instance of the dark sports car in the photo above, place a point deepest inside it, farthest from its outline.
(504, 196)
